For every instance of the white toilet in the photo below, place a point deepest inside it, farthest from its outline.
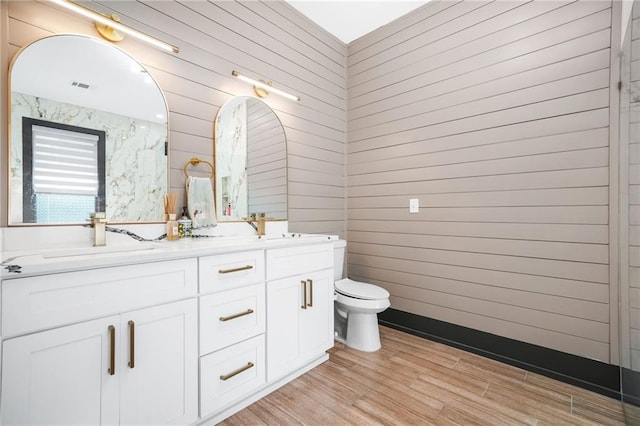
(356, 307)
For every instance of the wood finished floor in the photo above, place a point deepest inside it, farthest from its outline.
(414, 381)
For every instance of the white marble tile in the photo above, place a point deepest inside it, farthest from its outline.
(135, 163)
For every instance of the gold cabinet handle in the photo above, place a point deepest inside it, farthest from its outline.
(132, 344)
(112, 350)
(304, 294)
(229, 271)
(238, 315)
(310, 293)
(236, 372)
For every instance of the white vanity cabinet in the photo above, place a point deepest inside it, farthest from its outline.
(300, 301)
(178, 338)
(128, 367)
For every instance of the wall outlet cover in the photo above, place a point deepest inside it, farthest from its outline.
(414, 205)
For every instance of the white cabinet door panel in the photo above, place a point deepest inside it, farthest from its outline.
(61, 376)
(284, 298)
(161, 387)
(317, 320)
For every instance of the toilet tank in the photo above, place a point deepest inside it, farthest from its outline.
(339, 248)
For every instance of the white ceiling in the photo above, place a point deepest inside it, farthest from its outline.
(351, 19)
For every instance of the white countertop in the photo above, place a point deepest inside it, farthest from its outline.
(19, 264)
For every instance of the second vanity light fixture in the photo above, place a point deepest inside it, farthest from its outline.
(262, 88)
(115, 24)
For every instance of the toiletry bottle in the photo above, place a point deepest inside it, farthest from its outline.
(229, 209)
(184, 224)
(172, 228)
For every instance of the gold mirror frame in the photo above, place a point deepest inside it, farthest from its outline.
(152, 198)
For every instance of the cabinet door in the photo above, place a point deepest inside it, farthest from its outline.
(316, 322)
(161, 385)
(61, 376)
(284, 300)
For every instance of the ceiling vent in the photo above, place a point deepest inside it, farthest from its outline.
(80, 85)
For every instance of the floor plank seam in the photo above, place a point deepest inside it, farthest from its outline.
(486, 388)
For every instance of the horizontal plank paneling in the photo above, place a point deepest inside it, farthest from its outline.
(552, 179)
(588, 329)
(594, 253)
(403, 73)
(588, 158)
(546, 129)
(591, 272)
(519, 231)
(551, 339)
(436, 111)
(481, 83)
(371, 266)
(520, 148)
(495, 116)
(584, 215)
(534, 197)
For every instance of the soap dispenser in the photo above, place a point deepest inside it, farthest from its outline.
(184, 224)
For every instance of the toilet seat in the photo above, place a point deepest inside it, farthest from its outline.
(353, 304)
(359, 290)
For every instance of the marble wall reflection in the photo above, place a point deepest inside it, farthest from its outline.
(135, 160)
(231, 163)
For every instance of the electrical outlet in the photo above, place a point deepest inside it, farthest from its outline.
(414, 205)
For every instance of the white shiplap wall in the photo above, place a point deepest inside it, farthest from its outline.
(266, 40)
(495, 114)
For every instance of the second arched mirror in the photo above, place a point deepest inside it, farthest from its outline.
(250, 161)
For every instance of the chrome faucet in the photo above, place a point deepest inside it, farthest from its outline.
(99, 225)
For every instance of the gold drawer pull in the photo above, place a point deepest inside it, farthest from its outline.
(132, 344)
(310, 304)
(234, 316)
(236, 372)
(229, 271)
(112, 350)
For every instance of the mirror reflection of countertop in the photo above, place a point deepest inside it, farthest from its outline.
(18, 264)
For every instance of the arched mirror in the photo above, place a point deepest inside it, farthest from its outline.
(250, 161)
(88, 133)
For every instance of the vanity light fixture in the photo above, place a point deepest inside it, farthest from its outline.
(106, 21)
(262, 88)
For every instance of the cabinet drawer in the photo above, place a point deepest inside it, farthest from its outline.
(230, 374)
(230, 317)
(285, 262)
(226, 271)
(43, 302)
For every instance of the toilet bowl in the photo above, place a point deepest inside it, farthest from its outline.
(356, 307)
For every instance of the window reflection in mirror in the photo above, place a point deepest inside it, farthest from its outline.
(63, 172)
(250, 161)
(93, 85)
